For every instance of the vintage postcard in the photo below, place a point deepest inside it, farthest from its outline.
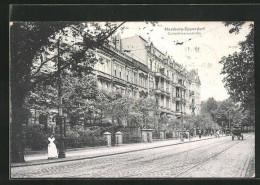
(132, 99)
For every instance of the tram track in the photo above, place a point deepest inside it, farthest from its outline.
(47, 170)
(149, 163)
(197, 165)
(135, 164)
(106, 155)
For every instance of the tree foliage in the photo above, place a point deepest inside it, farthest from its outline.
(28, 41)
(209, 107)
(238, 69)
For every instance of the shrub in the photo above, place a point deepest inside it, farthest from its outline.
(169, 135)
(36, 138)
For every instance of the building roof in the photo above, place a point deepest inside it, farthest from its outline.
(193, 76)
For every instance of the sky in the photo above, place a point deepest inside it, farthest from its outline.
(195, 45)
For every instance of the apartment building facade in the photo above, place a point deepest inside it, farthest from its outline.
(136, 67)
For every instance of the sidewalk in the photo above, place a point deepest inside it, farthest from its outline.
(89, 153)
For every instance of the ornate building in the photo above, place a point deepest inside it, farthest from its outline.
(136, 67)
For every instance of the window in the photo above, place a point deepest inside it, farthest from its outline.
(115, 70)
(127, 76)
(177, 92)
(135, 78)
(134, 93)
(151, 84)
(151, 65)
(120, 72)
(108, 66)
(177, 107)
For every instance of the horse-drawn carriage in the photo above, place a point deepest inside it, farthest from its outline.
(228, 132)
(237, 131)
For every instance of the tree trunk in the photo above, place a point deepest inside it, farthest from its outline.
(17, 146)
(17, 120)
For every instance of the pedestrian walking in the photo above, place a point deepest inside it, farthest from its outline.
(199, 133)
(52, 149)
(211, 133)
(217, 133)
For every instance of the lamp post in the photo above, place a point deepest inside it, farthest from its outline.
(228, 119)
(182, 139)
(60, 119)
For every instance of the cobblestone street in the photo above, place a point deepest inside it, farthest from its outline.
(218, 157)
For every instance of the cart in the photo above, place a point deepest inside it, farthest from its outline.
(228, 132)
(237, 131)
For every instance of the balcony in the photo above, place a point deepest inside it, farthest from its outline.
(165, 110)
(157, 91)
(177, 98)
(102, 75)
(178, 113)
(162, 75)
(157, 74)
(162, 91)
(192, 104)
(192, 93)
(173, 84)
(180, 85)
(118, 80)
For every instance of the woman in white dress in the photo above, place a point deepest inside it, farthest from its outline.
(52, 150)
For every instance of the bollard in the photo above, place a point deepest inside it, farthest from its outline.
(147, 135)
(150, 136)
(108, 138)
(118, 138)
(144, 136)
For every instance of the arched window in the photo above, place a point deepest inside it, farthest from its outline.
(120, 72)
(115, 70)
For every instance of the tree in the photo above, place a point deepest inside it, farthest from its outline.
(209, 107)
(80, 94)
(238, 69)
(28, 41)
(148, 109)
(225, 112)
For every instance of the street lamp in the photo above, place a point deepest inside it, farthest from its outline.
(228, 119)
(182, 139)
(60, 118)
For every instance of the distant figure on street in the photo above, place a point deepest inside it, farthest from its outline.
(211, 133)
(199, 133)
(52, 150)
(217, 134)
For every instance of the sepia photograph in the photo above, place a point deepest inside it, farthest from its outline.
(132, 99)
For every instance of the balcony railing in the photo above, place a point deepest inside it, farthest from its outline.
(162, 75)
(102, 74)
(157, 91)
(118, 80)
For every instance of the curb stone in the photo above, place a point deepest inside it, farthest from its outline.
(33, 163)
